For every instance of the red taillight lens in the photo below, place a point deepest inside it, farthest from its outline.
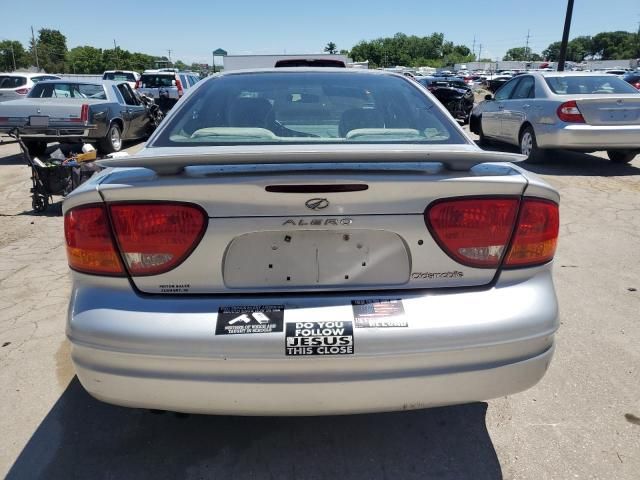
(474, 232)
(22, 91)
(84, 113)
(637, 85)
(179, 85)
(156, 237)
(90, 247)
(569, 112)
(536, 236)
(137, 84)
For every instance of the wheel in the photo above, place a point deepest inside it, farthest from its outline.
(39, 203)
(529, 146)
(113, 141)
(482, 140)
(36, 148)
(621, 156)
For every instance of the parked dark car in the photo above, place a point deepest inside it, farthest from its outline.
(453, 93)
(633, 78)
(69, 111)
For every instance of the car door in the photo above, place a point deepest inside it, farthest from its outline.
(492, 112)
(133, 113)
(516, 108)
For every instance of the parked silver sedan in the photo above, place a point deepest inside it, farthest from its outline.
(310, 241)
(563, 110)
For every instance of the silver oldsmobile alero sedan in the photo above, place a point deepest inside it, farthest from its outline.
(310, 241)
(562, 110)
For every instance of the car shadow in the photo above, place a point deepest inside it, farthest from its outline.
(84, 438)
(564, 162)
(15, 159)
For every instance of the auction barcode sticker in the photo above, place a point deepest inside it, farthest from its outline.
(319, 338)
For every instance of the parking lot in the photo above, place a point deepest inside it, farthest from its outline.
(581, 421)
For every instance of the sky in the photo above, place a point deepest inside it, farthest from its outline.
(193, 29)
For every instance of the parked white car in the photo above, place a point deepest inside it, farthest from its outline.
(128, 76)
(563, 110)
(16, 85)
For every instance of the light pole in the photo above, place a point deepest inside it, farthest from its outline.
(565, 36)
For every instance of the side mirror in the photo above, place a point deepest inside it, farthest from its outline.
(488, 96)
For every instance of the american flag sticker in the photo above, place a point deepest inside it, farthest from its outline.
(379, 313)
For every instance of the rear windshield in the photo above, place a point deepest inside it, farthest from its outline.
(11, 81)
(318, 107)
(68, 90)
(155, 80)
(119, 76)
(588, 85)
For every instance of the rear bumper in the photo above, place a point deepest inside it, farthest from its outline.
(52, 133)
(588, 137)
(153, 352)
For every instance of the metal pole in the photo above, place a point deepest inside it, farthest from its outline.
(565, 36)
(13, 55)
(35, 48)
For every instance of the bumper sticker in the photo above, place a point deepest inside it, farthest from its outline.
(319, 338)
(242, 319)
(378, 313)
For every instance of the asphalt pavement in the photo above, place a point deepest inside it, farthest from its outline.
(581, 421)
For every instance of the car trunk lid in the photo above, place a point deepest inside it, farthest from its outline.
(314, 227)
(605, 110)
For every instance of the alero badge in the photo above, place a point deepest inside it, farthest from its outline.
(317, 203)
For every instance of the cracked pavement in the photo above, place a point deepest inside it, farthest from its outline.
(581, 421)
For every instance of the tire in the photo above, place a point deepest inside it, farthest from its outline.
(36, 148)
(621, 156)
(39, 203)
(112, 142)
(529, 146)
(482, 140)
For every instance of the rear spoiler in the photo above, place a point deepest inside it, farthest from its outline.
(173, 160)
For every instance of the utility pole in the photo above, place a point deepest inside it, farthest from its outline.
(169, 55)
(526, 48)
(35, 48)
(480, 52)
(13, 56)
(473, 49)
(565, 36)
(115, 49)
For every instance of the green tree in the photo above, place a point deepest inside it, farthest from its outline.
(85, 59)
(180, 65)
(519, 54)
(13, 56)
(51, 47)
(331, 48)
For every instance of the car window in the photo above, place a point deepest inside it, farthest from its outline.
(524, 89)
(12, 81)
(296, 107)
(156, 80)
(67, 90)
(504, 92)
(118, 95)
(127, 94)
(183, 80)
(119, 76)
(588, 84)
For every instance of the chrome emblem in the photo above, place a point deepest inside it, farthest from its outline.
(317, 203)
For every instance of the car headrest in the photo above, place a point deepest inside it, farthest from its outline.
(359, 118)
(250, 112)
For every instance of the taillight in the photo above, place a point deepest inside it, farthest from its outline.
(569, 112)
(536, 235)
(22, 91)
(90, 247)
(637, 85)
(137, 84)
(179, 85)
(84, 113)
(474, 232)
(154, 238)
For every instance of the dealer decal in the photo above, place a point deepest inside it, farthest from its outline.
(242, 319)
(378, 313)
(319, 338)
